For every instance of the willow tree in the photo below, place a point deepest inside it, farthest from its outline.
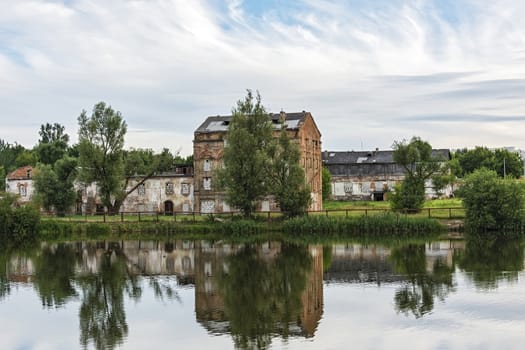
(249, 136)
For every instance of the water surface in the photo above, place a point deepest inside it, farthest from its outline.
(156, 294)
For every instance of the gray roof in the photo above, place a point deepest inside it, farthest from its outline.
(371, 157)
(220, 123)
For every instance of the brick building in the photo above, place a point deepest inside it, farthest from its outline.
(208, 148)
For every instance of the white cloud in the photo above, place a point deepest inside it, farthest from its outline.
(359, 69)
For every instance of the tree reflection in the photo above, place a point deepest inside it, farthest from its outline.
(422, 287)
(54, 274)
(263, 298)
(102, 314)
(491, 260)
(5, 286)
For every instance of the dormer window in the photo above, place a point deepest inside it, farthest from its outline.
(28, 174)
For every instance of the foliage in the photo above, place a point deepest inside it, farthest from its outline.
(409, 194)
(415, 157)
(54, 185)
(17, 224)
(101, 142)
(492, 203)
(53, 143)
(26, 157)
(245, 156)
(503, 162)
(286, 175)
(326, 184)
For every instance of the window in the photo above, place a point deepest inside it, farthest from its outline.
(207, 165)
(169, 188)
(22, 190)
(207, 206)
(185, 189)
(207, 183)
(28, 174)
(141, 190)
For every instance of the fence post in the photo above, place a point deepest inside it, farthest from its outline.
(193, 217)
(175, 216)
(429, 212)
(326, 212)
(366, 212)
(157, 216)
(139, 216)
(346, 212)
(450, 213)
(121, 216)
(104, 216)
(268, 216)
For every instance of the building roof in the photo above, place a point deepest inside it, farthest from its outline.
(371, 157)
(220, 123)
(23, 173)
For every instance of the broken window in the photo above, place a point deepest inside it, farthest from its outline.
(141, 189)
(207, 165)
(207, 183)
(22, 190)
(169, 188)
(185, 189)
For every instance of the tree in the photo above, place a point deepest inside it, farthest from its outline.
(101, 142)
(54, 185)
(326, 184)
(53, 143)
(287, 176)
(244, 175)
(504, 162)
(415, 157)
(492, 203)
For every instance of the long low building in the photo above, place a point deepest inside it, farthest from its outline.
(370, 175)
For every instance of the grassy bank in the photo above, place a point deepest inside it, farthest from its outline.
(385, 225)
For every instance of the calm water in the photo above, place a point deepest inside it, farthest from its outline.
(200, 294)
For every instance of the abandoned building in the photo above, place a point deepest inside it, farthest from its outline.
(369, 175)
(208, 147)
(165, 192)
(20, 183)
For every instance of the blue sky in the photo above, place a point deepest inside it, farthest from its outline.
(371, 72)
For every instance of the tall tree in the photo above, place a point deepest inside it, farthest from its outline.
(101, 142)
(504, 162)
(54, 185)
(53, 143)
(415, 157)
(246, 154)
(287, 176)
(326, 184)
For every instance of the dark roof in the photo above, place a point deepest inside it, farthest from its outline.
(371, 157)
(21, 173)
(220, 123)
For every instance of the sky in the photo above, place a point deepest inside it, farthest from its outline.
(371, 72)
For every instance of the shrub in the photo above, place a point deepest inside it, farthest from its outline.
(17, 224)
(492, 203)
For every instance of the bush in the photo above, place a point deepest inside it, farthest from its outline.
(492, 203)
(410, 194)
(17, 224)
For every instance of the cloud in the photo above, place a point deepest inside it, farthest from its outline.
(360, 67)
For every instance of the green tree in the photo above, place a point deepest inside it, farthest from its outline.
(244, 175)
(492, 203)
(54, 185)
(53, 143)
(287, 176)
(26, 157)
(415, 157)
(504, 162)
(326, 184)
(101, 142)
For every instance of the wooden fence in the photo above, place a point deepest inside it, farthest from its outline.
(141, 216)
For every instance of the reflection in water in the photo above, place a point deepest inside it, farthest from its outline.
(491, 260)
(423, 283)
(259, 292)
(254, 292)
(102, 315)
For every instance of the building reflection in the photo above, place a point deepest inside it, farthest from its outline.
(254, 292)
